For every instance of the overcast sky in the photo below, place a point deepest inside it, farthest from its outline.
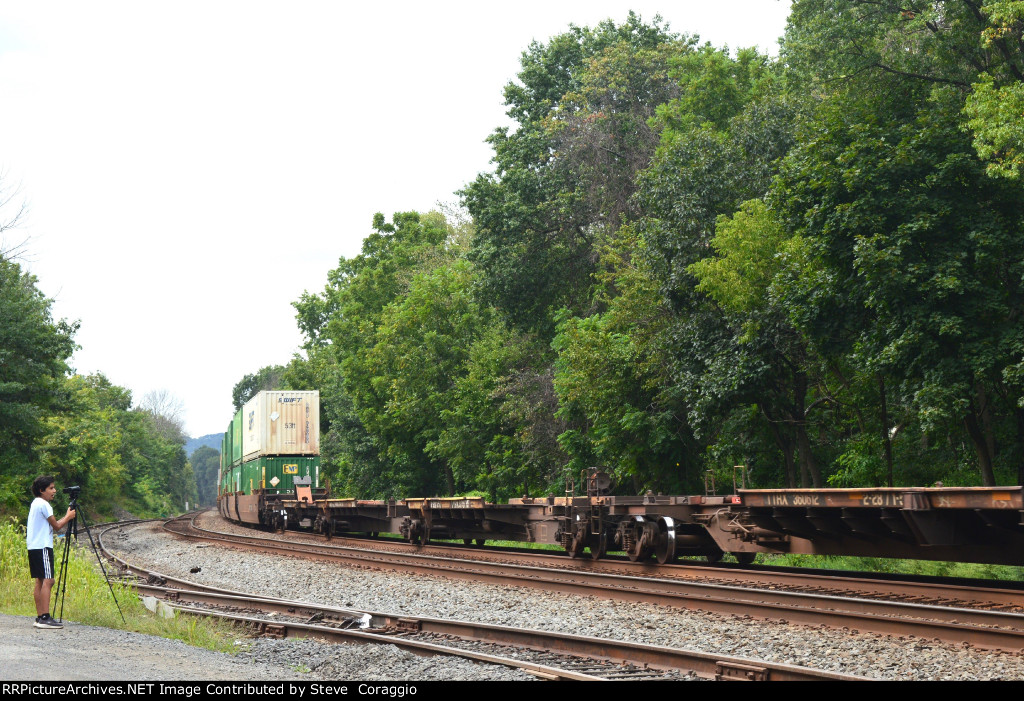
(191, 167)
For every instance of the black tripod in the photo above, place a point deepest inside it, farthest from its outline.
(72, 530)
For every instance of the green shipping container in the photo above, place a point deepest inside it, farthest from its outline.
(236, 438)
(276, 474)
(250, 477)
(226, 453)
(233, 481)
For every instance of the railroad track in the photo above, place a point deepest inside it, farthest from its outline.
(917, 590)
(545, 655)
(983, 628)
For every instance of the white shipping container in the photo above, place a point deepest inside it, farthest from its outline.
(281, 423)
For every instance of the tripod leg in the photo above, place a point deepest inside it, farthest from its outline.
(103, 569)
(62, 573)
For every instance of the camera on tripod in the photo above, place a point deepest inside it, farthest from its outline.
(72, 532)
(73, 492)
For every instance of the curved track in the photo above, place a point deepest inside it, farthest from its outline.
(991, 629)
(565, 657)
(943, 592)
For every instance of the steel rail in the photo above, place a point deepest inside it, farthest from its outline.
(295, 629)
(835, 583)
(981, 628)
(703, 664)
(206, 594)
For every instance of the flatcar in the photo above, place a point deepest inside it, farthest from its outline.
(270, 478)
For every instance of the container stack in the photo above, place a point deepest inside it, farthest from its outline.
(231, 456)
(270, 441)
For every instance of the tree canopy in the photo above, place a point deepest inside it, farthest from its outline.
(691, 257)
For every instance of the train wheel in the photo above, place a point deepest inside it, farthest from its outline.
(467, 541)
(665, 543)
(639, 554)
(714, 557)
(481, 542)
(638, 541)
(414, 534)
(744, 558)
(598, 546)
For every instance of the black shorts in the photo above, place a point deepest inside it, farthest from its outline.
(40, 563)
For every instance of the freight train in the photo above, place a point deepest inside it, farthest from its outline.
(270, 478)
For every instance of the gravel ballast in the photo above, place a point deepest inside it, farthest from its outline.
(868, 655)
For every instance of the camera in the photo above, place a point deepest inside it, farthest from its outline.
(73, 491)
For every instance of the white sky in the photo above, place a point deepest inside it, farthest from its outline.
(191, 167)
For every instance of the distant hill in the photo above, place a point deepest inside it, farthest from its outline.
(210, 439)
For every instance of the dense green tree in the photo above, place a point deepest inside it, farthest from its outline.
(689, 258)
(34, 350)
(205, 463)
(425, 389)
(565, 173)
(498, 432)
(768, 358)
(975, 47)
(924, 258)
(882, 44)
(702, 171)
(613, 381)
(81, 429)
(270, 377)
(920, 254)
(359, 289)
(83, 441)
(603, 132)
(340, 325)
(161, 478)
(997, 102)
(122, 457)
(420, 352)
(351, 464)
(567, 178)
(995, 117)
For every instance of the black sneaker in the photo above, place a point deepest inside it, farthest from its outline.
(45, 621)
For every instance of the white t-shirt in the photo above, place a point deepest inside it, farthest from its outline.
(39, 531)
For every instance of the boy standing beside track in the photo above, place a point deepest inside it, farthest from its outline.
(39, 537)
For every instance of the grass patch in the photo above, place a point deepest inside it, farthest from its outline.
(526, 545)
(930, 568)
(459, 541)
(88, 598)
